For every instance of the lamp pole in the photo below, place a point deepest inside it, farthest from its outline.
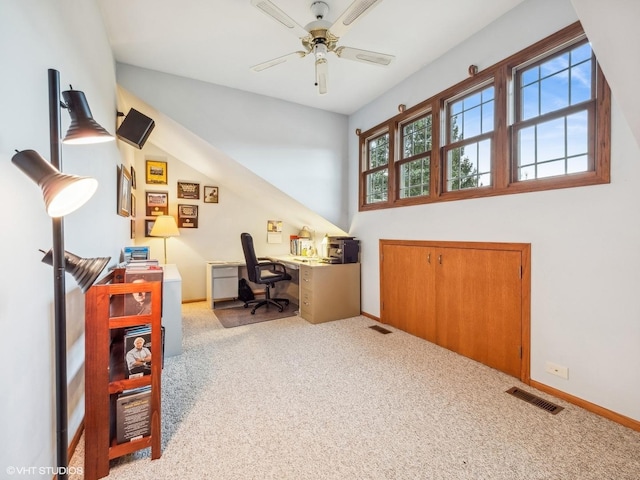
(59, 294)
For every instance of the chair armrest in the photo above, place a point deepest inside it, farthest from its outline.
(275, 267)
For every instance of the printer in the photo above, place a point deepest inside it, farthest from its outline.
(343, 250)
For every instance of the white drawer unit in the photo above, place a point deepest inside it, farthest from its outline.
(222, 281)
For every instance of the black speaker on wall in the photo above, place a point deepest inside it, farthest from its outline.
(135, 129)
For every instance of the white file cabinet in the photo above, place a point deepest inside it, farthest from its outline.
(222, 281)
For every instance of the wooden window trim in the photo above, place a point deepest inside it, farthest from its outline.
(503, 171)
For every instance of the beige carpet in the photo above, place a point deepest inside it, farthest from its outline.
(291, 400)
(237, 316)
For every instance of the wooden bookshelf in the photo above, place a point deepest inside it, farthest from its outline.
(105, 370)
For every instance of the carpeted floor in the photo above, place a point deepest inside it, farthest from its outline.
(286, 399)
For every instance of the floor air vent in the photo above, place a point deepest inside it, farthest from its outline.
(380, 329)
(535, 400)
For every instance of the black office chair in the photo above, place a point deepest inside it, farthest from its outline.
(264, 272)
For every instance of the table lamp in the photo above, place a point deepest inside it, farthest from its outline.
(165, 226)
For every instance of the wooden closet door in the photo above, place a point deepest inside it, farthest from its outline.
(407, 295)
(479, 305)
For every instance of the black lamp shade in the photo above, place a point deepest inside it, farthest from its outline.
(62, 193)
(84, 270)
(83, 128)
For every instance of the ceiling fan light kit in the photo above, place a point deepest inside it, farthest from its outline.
(321, 37)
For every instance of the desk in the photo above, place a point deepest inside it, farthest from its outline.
(325, 292)
(172, 310)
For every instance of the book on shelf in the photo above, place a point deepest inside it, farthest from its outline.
(138, 351)
(301, 247)
(135, 253)
(133, 414)
(139, 303)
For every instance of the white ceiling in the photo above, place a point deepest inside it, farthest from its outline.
(217, 41)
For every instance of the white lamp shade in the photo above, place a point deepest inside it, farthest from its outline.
(165, 226)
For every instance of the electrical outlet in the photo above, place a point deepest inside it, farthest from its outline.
(558, 370)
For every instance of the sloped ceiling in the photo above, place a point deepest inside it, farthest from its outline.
(217, 41)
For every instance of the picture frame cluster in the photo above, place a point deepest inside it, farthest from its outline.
(157, 200)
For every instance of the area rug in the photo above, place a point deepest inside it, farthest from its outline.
(238, 315)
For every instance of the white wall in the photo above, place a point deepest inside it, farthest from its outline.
(36, 35)
(300, 150)
(584, 313)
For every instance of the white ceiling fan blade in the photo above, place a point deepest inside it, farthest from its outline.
(364, 56)
(277, 61)
(322, 72)
(355, 11)
(279, 16)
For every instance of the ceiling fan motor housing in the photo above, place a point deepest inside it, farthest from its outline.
(319, 10)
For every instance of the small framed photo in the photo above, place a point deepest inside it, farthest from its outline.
(187, 216)
(124, 192)
(157, 203)
(133, 229)
(148, 225)
(133, 178)
(156, 172)
(210, 194)
(189, 190)
(133, 205)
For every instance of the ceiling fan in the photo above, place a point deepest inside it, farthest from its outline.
(321, 37)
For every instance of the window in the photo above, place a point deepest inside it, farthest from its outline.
(470, 127)
(415, 164)
(377, 169)
(554, 100)
(538, 120)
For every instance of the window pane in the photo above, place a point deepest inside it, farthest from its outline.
(554, 92)
(581, 83)
(377, 186)
(550, 140)
(414, 178)
(577, 134)
(378, 151)
(530, 102)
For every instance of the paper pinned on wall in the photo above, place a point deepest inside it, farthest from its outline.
(274, 237)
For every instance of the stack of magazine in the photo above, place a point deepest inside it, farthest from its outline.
(133, 414)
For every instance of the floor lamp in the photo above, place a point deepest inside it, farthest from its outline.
(62, 195)
(165, 226)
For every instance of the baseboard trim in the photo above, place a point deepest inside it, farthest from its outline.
(591, 407)
(368, 315)
(75, 441)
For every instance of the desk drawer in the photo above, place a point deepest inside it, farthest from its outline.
(306, 304)
(224, 272)
(306, 276)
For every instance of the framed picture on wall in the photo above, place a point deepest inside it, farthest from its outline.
(148, 225)
(156, 172)
(189, 190)
(188, 216)
(124, 192)
(157, 203)
(133, 205)
(133, 178)
(133, 229)
(210, 194)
